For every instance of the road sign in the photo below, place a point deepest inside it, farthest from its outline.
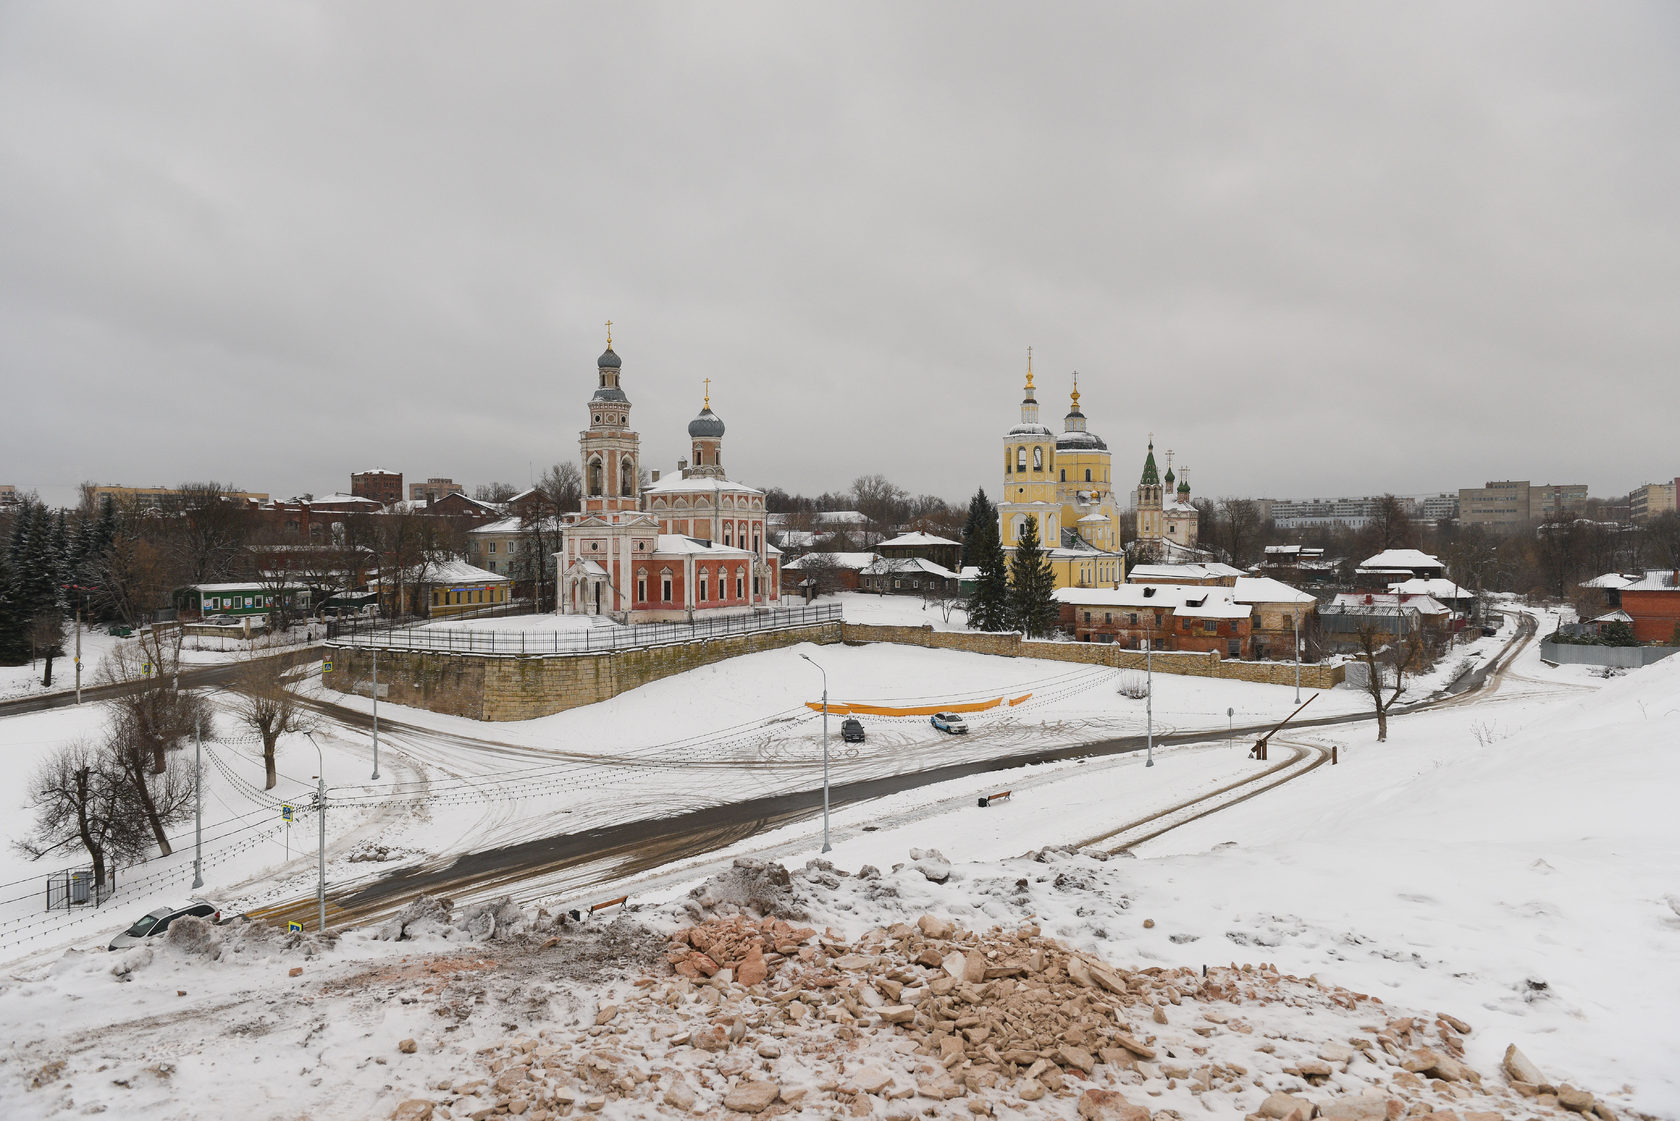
(286, 813)
(326, 665)
(145, 669)
(294, 928)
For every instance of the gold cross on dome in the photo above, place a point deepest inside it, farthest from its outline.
(708, 393)
(609, 334)
(1169, 459)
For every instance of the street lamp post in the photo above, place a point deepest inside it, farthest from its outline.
(375, 650)
(1149, 701)
(198, 803)
(824, 673)
(321, 849)
(1295, 617)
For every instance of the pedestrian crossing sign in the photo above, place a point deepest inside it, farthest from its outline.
(294, 928)
(326, 665)
(286, 813)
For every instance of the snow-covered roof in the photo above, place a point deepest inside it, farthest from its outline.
(591, 568)
(858, 561)
(916, 538)
(698, 484)
(1440, 588)
(1397, 559)
(1655, 580)
(893, 566)
(1617, 616)
(1215, 604)
(1611, 580)
(238, 586)
(680, 544)
(339, 497)
(1131, 595)
(1426, 605)
(800, 539)
(1188, 573)
(839, 517)
(1177, 507)
(970, 572)
(1263, 589)
(456, 571)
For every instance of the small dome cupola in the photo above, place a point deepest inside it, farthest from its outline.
(1075, 437)
(608, 360)
(705, 434)
(607, 367)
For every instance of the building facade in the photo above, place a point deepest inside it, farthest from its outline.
(384, 487)
(433, 489)
(688, 545)
(1652, 499)
(1167, 522)
(1064, 484)
(1516, 502)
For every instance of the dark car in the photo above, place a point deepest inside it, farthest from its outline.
(851, 730)
(157, 922)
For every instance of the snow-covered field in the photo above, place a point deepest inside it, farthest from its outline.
(1512, 860)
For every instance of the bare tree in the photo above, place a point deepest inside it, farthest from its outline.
(494, 492)
(157, 717)
(263, 703)
(883, 503)
(1386, 666)
(135, 577)
(77, 794)
(562, 485)
(211, 533)
(162, 795)
(1243, 524)
(823, 572)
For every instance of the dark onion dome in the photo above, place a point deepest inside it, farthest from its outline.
(1036, 431)
(610, 393)
(706, 426)
(608, 360)
(1080, 441)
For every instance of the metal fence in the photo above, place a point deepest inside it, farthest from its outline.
(79, 888)
(592, 640)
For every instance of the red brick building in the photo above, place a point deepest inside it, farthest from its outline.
(1654, 605)
(384, 487)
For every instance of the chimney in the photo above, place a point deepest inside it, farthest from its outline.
(656, 475)
(682, 468)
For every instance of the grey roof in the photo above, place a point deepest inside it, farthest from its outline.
(608, 360)
(706, 426)
(610, 393)
(1075, 440)
(1029, 430)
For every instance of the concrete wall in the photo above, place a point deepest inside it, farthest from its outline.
(1098, 653)
(1627, 657)
(485, 687)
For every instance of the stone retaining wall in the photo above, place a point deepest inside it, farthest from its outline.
(510, 687)
(1012, 645)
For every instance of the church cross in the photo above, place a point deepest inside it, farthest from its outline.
(708, 393)
(609, 334)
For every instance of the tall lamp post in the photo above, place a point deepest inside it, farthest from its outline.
(1149, 701)
(198, 803)
(321, 849)
(1294, 617)
(824, 673)
(375, 650)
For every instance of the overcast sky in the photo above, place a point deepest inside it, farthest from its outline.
(1317, 249)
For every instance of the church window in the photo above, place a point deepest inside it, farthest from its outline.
(641, 585)
(701, 586)
(595, 477)
(626, 478)
(597, 418)
(665, 585)
(1038, 459)
(723, 592)
(1064, 475)
(755, 542)
(1087, 474)
(728, 535)
(1008, 463)
(740, 584)
(1021, 458)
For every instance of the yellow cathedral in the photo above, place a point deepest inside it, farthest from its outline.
(1063, 482)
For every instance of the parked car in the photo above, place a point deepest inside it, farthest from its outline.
(851, 730)
(157, 922)
(949, 722)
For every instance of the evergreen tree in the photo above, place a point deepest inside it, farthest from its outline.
(988, 607)
(1032, 585)
(14, 624)
(980, 512)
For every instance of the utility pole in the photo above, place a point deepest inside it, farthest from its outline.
(1295, 617)
(1149, 702)
(198, 803)
(826, 846)
(375, 650)
(321, 849)
(78, 646)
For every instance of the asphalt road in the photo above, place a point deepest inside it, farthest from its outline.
(649, 843)
(193, 678)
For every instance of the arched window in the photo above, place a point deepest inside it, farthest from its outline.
(1064, 475)
(595, 477)
(700, 585)
(1021, 458)
(627, 477)
(1087, 474)
(728, 535)
(1038, 459)
(1008, 463)
(740, 583)
(665, 584)
(641, 585)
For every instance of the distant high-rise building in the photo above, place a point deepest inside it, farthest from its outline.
(1518, 502)
(1651, 499)
(8, 495)
(384, 487)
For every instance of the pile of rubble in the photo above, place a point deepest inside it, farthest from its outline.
(756, 1016)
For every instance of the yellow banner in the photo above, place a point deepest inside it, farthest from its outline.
(854, 708)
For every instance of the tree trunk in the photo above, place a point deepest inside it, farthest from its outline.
(94, 849)
(268, 760)
(46, 680)
(1382, 723)
(137, 776)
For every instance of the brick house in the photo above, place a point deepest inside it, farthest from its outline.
(942, 551)
(384, 487)
(1653, 603)
(909, 576)
(1166, 616)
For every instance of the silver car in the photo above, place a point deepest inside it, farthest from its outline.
(157, 922)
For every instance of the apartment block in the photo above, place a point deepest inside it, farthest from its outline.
(384, 487)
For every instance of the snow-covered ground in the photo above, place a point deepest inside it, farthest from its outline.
(1512, 859)
(25, 680)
